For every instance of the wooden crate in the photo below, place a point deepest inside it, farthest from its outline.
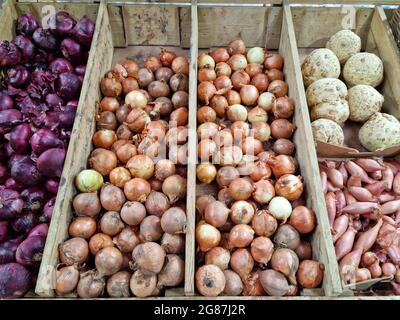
(313, 28)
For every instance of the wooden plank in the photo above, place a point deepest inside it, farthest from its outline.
(389, 53)
(118, 27)
(8, 17)
(323, 249)
(219, 25)
(78, 151)
(273, 29)
(192, 159)
(151, 25)
(185, 23)
(314, 26)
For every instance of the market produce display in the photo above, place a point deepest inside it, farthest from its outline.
(363, 202)
(252, 237)
(42, 74)
(356, 99)
(127, 236)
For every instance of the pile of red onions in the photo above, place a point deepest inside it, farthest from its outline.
(130, 222)
(253, 235)
(43, 73)
(363, 203)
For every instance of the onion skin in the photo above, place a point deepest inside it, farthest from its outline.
(137, 189)
(118, 285)
(149, 256)
(143, 284)
(174, 187)
(111, 197)
(173, 221)
(173, 243)
(150, 228)
(210, 280)
(91, 285)
(216, 213)
(262, 249)
(242, 262)
(287, 237)
(286, 261)
(241, 235)
(218, 256)
(303, 219)
(111, 223)
(252, 284)
(67, 279)
(99, 241)
(173, 272)
(304, 251)
(202, 202)
(233, 285)
(264, 191)
(310, 274)
(274, 283)
(103, 161)
(126, 240)
(87, 204)
(108, 261)
(240, 189)
(264, 224)
(74, 250)
(207, 236)
(83, 227)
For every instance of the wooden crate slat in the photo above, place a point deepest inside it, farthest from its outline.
(8, 17)
(79, 149)
(192, 159)
(322, 245)
(118, 27)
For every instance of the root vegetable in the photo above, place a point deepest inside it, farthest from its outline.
(173, 272)
(310, 274)
(210, 280)
(143, 284)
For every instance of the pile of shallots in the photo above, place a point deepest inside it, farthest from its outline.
(252, 238)
(127, 236)
(363, 202)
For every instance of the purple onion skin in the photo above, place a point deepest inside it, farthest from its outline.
(8, 250)
(71, 50)
(61, 23)
(25, 223)
(44, 39)
(13, 185)
(15, 157)
(40, 230)
(8, 118)
(80, 70)
(3, 174)
(52, 185)
(50, 163)
(48, 210)
(8, 150)
(9, 54)
(3, 231)
(29, 252)
(6, 102)
(26, 47)
(61, 65)
(53, 100)
(25, 172)
(27, 24)
(67, 117)
(83, 31)
(44, 139)
(15, 281)
(17, 76)
(67, 85)
(19, 137)
(11, 204)
(34, 198)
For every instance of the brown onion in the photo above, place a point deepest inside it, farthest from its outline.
(249, 95)
(91, 285)
(173, 221)
(99, 241)
(205, 91)
(229, 155)
(264, 224)
(266, 101)
(180, 99)
(262, 249)
(109, 104)
(252, 69)
(261, 170)
(223, 69)
(137, 120)
(283, 146)
(164, 74)
(166, 57)
(111, 197)
(206, 114)
(257, 114)
(178, 154)
(242, 262)
(310, 273)
(289, 186)
(179, 117)
(274, 74)
(123, 132)
(206, 172)
(108, 261)
(74, 251)
(388, 269)
(233, 97)
(233, 285)
(136, 99)
(210, 280)
(260, 81)
(218, 256)
(239, 79)
(174, 187)
(206, 149)
(241, 235)
(207, 130)
(303, 219)
(219, 55)
(240, 189)
(126, 240)
(103, 161)
(286, 261)
(206, 74)
(143, 284)
(274, 283)
(111, 223)
(150, 228)
(282, 164)
(145, 77)
(162, 107)
(137, 189)
(216, 213)
(202, 202)
(237, 62)
(87, 204)
(106, 120)
(133, 212)
(279, 88)
(129, 84)
(287, 237)
(118, 285)
(304, 251)
(173, 272)
(117, 144)
(141, 166)
(152, 63)
(236, 46)
(252, 284)
(173, 243)
(263, 191)
(179, 82)
(119, 176)
(110, 87)
(236, 112)
(67, 278)
(242, 212)
(273, 61)
(131, 67)
(282, 128)
(180, 65)
(368, 258)
(158, 89)
(223, 84)
(207, 236)
(157, 203)
(104, 138)
(225, 197)
(283, 108)
(226, 175)
(126, 152)
(164, 169)
(240, 130)
(82, 227)
(149, 256)
(122, 113)
(252, 146)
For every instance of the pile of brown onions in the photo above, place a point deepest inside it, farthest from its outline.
(128, 236)
(362, 198)
(254, 233)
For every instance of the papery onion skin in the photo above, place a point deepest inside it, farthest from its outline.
(310, 274)
(304, 251)
(303, 219)
(210, 280)
(83, 227)
(241, 235)
(234, 285)
(218, 256)
(216, 213)
(287, 237)
(133, 212)
(264, 224)
(150, 228)
(137, 189)
(262, 249)
(242, 262)
(273, 61)
(143, 284)
(111, 197)
(103, 161)
(286, 261)
(74, 250)
(149, 256)
(127, 240)
(274, 283)
(108, 261)
(174, 187)
(118, 285)
(111, 223)
(289, 186)
(99, 241)
(173, 221)
(240, 189)
(87, 204)
(202, 202)
(207, 236)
